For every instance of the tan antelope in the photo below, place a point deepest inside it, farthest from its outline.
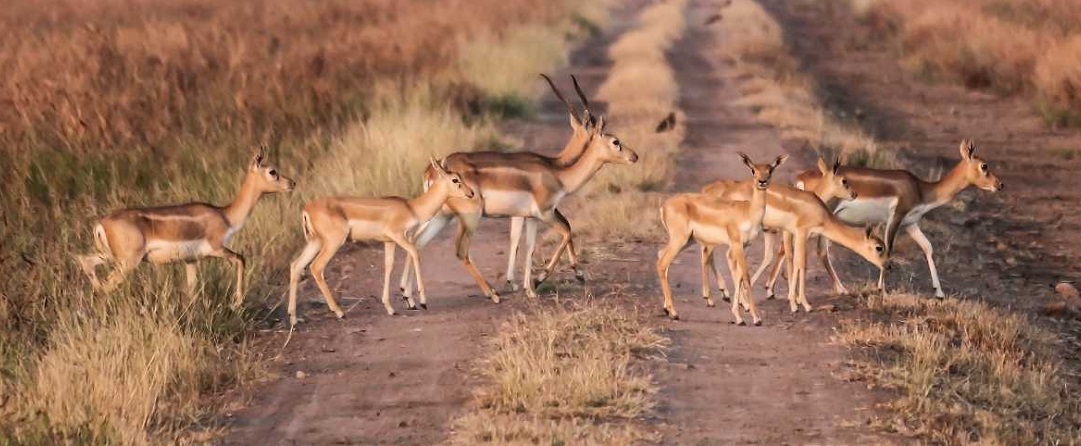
(832, 186)
(798, 214)
(330, 221)
(580, 124)
(182, 233)
(713, 221)
(528, 189)
(899, 199)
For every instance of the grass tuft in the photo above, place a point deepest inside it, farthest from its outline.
(562, 375)
(966, 373)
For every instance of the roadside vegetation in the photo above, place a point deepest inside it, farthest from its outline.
(966, 373)
(1007, 46)
(114, 103)
(771, 84)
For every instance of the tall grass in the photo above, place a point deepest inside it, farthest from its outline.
(782, 96)
(118, 103)
(966, 373)
(1009, 46)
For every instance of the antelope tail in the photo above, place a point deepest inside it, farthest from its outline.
(101, 241)
(306, 224)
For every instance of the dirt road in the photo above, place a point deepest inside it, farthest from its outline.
(373, 379)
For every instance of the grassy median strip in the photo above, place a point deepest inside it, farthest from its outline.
(564, 375)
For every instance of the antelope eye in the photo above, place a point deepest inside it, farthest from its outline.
(273, 173)
(983, 167)
(844, 182)
(879, 248)
(456, 181)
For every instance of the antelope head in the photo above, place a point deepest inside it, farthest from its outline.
(976, 170)
(267, 179)
(762, 172)
(836, 185)
(451, 180)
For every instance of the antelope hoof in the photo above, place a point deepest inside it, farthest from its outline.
(339, 313)
(424, 306)
(806, 308)
(675, 317)
(725, 297)
(709, 302)
(758, 323)
(411, 307)
(741, 323)
(841, 291)
(580, 276)
(770, 295)
(494, 297)
(939, 294)
(390, 312)
(794, 309)
(512, 286)
(292, 322)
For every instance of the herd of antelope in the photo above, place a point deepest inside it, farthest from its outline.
(836, 203)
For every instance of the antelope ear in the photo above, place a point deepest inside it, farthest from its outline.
(870, 231)
(836, 166)
(260, 156)
(823, 167)
(780, 160)
(438, 167)
(746, 160)
(967, 149)
(599, 124)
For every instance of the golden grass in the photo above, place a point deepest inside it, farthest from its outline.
(1010, 46)
(118, 103)
(966, 373)
(640, 91)
(564, 376)
(773, 87)
(521, 53)
(387, 153)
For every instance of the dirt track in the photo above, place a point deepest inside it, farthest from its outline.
(373, 379)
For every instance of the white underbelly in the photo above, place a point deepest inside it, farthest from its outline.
(710, 235)
(360, 230)
(867, 211)
(510, 204)
(162, 251)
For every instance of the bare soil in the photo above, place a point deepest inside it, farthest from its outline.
(1007, 248)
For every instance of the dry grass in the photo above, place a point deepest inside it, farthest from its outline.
(119, 103)
(1010, 46)
(387, 153)
(564, 376)
(782, 96)
(966, 373)
(640, 91)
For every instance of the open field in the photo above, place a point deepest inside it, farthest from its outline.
(116, 103)
(119, 103)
